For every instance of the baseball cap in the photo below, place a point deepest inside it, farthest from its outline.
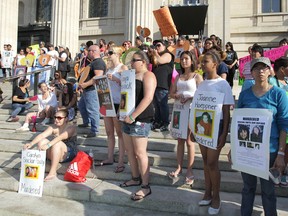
(263, 60)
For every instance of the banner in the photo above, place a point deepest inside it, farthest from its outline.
(250, 141)
(179, 120)
(105, 99)
(165, 22)
(127, 103)
(205, 117)
(32, 172)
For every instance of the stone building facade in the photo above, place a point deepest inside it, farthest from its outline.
(71, 22)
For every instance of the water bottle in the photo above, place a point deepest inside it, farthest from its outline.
(92, 156)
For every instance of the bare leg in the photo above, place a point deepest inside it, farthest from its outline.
(109, 127)
(208, 185)
(191, 155)
(180, 155)
(117, 126)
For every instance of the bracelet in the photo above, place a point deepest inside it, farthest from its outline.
(281, 153)
(48, 145)
(131, 118)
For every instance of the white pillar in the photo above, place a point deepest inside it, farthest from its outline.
(138, 12)
(65, 24)
(9, 23)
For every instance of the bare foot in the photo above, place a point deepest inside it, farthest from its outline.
(49, 177)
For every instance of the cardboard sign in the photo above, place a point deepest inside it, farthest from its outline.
(127, 103)
(32, 172)
(105, 99)
(179, 120)
(250, 141)
(165, 22)
(205, 117)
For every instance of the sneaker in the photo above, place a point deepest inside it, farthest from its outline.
(45, 121)
(283, 181)
(89, 135)
(15, 119)
(22, 129)
(155, 126)
(83, 125)
(9, 119)
(164, 128)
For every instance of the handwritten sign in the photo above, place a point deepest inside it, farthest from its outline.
(32, 172)
(127, 103)
(104, 97)
(250, 141)
(205, 117)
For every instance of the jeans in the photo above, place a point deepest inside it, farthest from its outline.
(161, 107)
(19, 108)
(89, 108)
(267, 193)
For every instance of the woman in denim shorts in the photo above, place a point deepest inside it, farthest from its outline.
(63, 145)
(136, 127)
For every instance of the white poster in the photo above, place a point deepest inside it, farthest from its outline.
(250, 141)
(106, 105)
(179, 120)
(127, 103)
(205, 117)
(32, 172)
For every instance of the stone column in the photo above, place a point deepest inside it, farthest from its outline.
(138, 12)
(9, 23)
(65, 24)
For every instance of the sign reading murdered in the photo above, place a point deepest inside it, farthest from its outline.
(205, 117)
(32, 172)
(106, 105)
(127, 102)
(250, 141)
(179, 120)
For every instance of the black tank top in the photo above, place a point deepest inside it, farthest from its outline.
(148, 114)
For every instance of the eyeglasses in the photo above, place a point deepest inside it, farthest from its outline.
(158, 45)
(135, 60)
(110, 52)
(59, 118)
(261, 69)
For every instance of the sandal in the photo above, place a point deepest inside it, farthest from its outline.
(119, 169)
(189, 180)
(173, 175)
(137, 197)
(136, 179)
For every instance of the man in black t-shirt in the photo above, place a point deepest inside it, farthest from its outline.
(88, 104)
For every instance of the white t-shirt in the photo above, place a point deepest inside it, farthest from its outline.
(114, 86)
(7, 58)
(53, 61)
(51, 101)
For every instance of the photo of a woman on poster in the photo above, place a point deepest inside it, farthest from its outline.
(243, 132)
(256, 134)
(205, 125)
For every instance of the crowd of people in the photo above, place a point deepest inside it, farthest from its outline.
(199, 66)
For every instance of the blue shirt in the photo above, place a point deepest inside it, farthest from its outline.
(277, 102)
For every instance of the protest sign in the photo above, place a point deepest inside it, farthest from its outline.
(179, 120)
(105, 99)
(250, 141)
(32, 172)
(205, 117)
(127, 103)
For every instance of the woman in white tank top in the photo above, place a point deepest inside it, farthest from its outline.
(114, 76)
(183, 89)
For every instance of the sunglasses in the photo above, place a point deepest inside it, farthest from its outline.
(135, 60)
(158, 45)
(110, 52)
(59, 117)
(125, 44)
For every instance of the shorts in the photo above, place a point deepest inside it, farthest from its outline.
(140, 129)
(71, 154)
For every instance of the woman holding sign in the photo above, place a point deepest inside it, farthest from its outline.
(265, 96)
(214, 83)
(112, 123)
(61, 147)
(136, 127)
(183, 89)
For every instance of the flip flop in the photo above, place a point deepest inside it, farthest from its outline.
(173, 175)
(49, 178)
(119, 169)
(103, 164)
(189, 180)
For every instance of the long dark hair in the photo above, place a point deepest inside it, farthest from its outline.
(193, 59)
(231, 45)
(70, 92)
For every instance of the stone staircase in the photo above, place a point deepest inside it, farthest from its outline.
(169, 197)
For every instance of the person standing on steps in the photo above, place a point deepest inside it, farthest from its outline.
(88, 104)
(183, 89)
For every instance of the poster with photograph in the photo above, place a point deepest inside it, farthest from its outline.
(205, 115)
(105, 99)
(32, 172)
(127, 103)
(179, 120)
(250, 141)
(20, 71)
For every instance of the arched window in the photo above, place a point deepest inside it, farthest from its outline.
(271, 6)
(44, 8)
(98, 8)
